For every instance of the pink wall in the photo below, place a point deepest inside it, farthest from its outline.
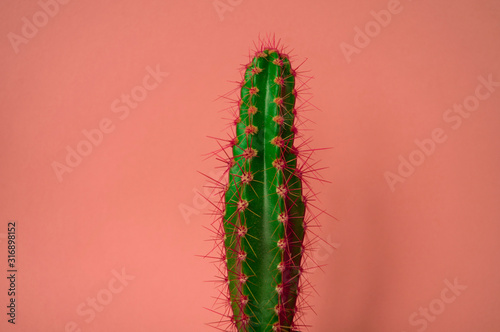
(405, 105)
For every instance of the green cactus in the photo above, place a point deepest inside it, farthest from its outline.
(264, 205)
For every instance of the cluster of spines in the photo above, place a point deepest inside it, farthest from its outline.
(250, 303)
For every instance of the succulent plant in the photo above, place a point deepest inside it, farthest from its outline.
(263, 228)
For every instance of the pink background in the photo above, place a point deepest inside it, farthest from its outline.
(120, 207)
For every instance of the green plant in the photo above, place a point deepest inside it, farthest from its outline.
(263, 216)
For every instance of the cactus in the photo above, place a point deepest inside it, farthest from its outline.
(261, 228)
(264, 207)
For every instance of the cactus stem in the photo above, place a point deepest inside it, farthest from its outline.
(263, 230)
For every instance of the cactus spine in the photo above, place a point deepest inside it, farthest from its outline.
(264, 207)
